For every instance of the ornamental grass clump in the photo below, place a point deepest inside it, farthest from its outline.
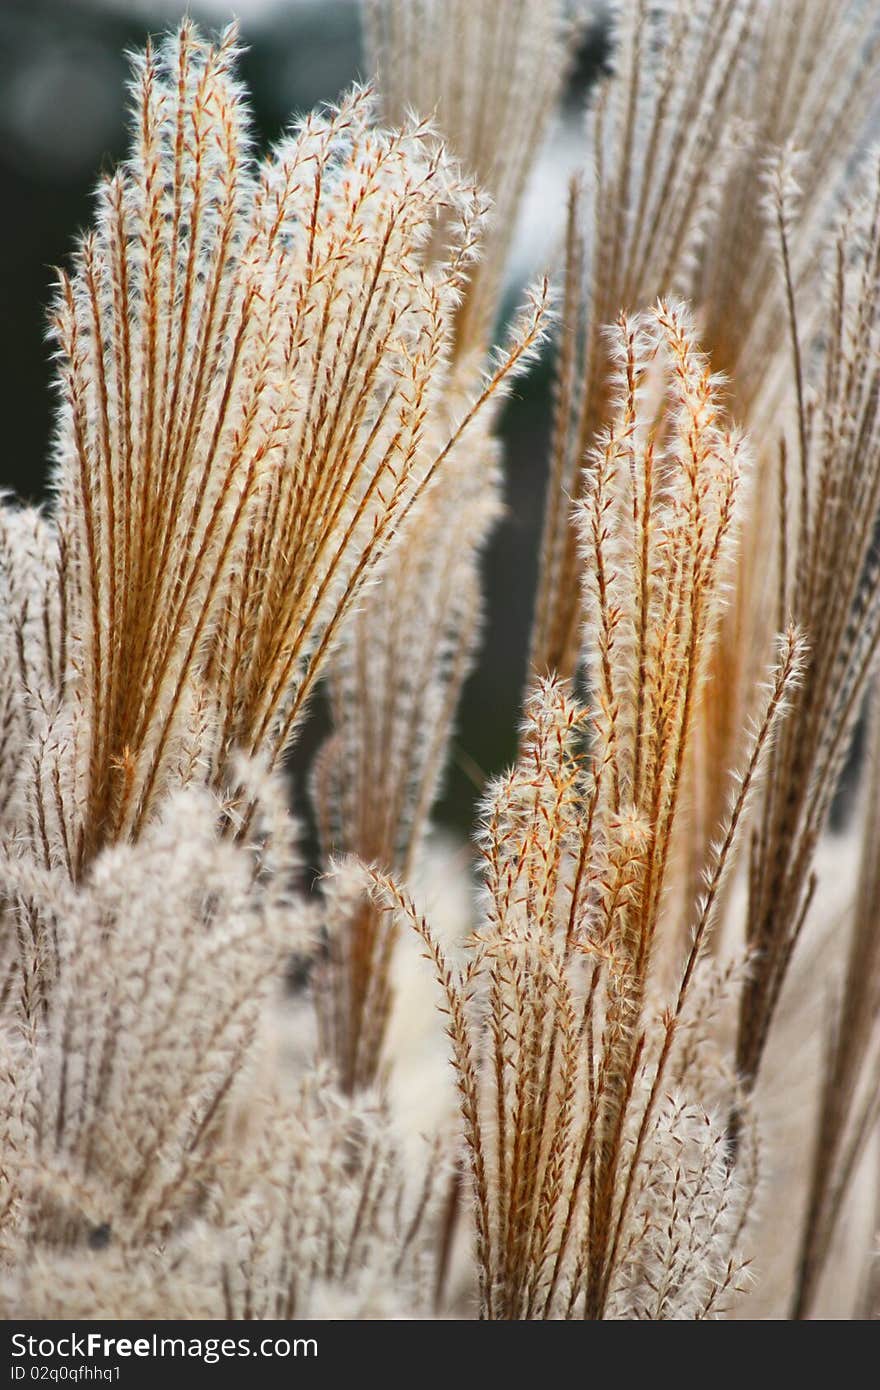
(622, 1060)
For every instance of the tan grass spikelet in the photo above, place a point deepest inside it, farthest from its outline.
(367, 359)
(657, 142)
(808, 85)
(676, 138)
(154, 1156)
(107, 1141)
(322, 1218)
(394, 687)
(246, 359)
(597, 1192)
(831, 473)
(169, 420)
(310, 1215)
(402, 661)
(491, 76)
(657, 531)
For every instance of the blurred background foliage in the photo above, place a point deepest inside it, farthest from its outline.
(63, 97)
